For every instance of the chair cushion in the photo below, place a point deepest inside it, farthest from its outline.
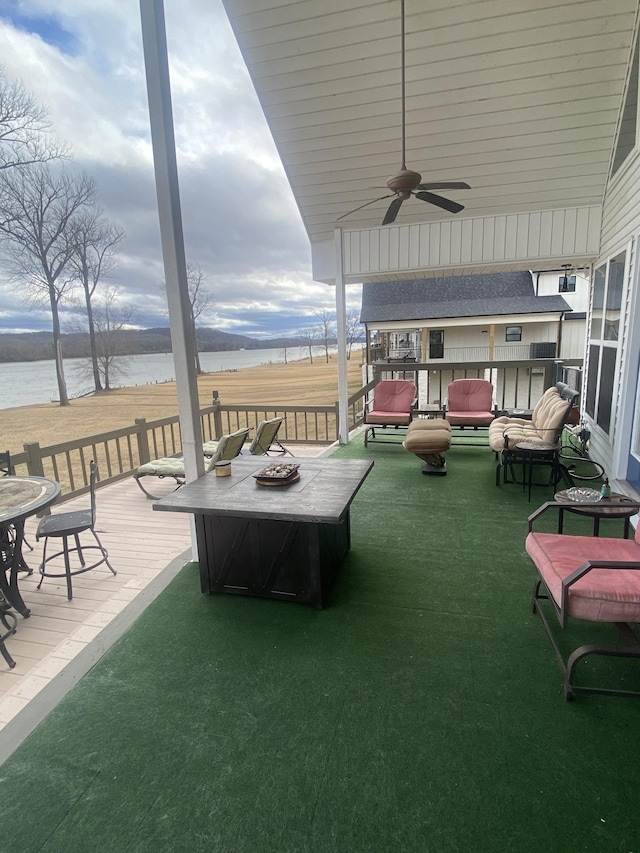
(469, 418)
(470, 395)
(167, 466)
(392, 402)
(544, 427)
(602, 595)
(394, 395)
(395, 418)
(428, 437)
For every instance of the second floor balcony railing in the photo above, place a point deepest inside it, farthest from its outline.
(502, 352)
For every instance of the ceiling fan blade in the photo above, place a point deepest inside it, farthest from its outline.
(366, 204)
(392, 212)
(445, 185)
(444, 203)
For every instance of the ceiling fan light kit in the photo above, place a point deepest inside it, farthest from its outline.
(406, 182)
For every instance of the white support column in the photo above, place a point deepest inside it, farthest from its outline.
(154, 42)
(341, 324)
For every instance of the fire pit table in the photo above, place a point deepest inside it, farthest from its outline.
(285, 542)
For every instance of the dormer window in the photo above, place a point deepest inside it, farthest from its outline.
(567, 284)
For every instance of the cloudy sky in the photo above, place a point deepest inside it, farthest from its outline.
(83, 61)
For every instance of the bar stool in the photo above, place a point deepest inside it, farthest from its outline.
(62, 525)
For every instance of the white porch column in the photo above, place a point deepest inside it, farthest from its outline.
(154, 42)
(341, 324)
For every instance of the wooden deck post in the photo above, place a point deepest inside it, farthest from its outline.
(34, 459)
(217, 416)
(143, 441)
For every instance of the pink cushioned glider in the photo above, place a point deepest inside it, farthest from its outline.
(393, 402)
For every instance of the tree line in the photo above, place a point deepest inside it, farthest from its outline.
(38, 346)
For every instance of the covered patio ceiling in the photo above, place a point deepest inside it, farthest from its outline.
(519, 99)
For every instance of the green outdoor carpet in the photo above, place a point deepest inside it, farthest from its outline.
(421, 711)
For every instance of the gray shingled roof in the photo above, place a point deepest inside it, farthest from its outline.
(455, 296)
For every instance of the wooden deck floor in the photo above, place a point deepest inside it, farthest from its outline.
(145, 547)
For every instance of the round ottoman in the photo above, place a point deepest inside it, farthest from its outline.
(429, 439)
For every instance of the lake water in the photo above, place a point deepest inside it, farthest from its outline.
(26, 383)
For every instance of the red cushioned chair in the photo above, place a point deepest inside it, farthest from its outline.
(592, 579)
(470, 404)
(393, 403)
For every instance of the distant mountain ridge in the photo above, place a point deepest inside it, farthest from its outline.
(38, 346)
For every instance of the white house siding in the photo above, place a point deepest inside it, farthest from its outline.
(547, 284)
(467, 245)
(620, 229)
(470, 342)
(573, 339)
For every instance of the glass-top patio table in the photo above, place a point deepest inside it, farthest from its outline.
(20, 497)
(283, 542)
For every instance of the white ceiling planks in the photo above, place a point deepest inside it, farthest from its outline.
(520, 98)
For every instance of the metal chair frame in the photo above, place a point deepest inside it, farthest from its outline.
(65, 525)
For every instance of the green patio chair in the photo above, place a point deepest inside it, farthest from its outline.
(265, 442)
(227, 447)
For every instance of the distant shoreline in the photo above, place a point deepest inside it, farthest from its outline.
(33, 383)
(271, 385)
(28, 347)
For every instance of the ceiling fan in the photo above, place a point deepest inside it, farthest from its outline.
(407, 183)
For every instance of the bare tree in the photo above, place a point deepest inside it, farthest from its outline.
(37, 210)
(200, 301)
(354, 328)
(93, 260)
(110, 317)
(309, 336)
(325, 328)
(24, 128)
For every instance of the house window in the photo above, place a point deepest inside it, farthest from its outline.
(436, 343)
(567, 284)
(606, 307)
(513, 333)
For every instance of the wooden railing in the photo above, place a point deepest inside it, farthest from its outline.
(119, 452)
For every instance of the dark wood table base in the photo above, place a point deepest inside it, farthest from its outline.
(288, 560)
(285, 543)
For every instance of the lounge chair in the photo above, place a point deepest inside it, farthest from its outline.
(393, 404)
(265, 442)
(227, 447)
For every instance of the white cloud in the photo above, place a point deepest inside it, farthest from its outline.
(240, 222)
